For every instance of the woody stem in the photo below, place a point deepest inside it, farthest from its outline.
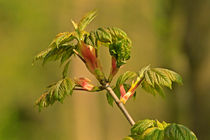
(120, 105)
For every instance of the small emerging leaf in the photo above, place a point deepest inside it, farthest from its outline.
(109, 98)
(86, 20)
(56, 92)
(124, 77)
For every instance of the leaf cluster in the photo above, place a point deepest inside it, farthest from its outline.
(115, 39)
(152, 80)
(154, 130)
(157, 78)
(67, 43)
(56, 92)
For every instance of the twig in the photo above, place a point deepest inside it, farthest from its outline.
(120, 105)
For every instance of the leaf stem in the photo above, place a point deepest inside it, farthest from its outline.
(120, 105)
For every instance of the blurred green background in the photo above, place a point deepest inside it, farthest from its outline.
(165, 33)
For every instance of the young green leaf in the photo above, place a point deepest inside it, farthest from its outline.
(156, 78)
(109, 98)
(103, 35)
(179, 132)
(121, 50)
(141, 126)
(60, 48)
(62, 38)
(121, 81)
(86, 20)
(56, 92)
(124, 77)
(154, 130)
(118, 42)
(153, 90)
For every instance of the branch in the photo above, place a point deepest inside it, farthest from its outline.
(120, 105)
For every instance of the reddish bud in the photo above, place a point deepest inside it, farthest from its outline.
(131, 91)
(122, 90)
(85, 83)
(89, 55)
(114, 68)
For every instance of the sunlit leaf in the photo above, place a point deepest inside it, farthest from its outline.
(103, 35)
(56, 92)
(121, 80)
(124, 77)
(157, 78)
(179, 132)
(142, 126)
(86, 20)
(121, 50)
(154, 130)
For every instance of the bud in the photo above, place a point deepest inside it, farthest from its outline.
(122, 90)
(85, 83)
(114, 68)
(89, 54)
(131, 91)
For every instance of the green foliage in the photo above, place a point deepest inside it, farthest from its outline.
(150, 79)
(156, 78)
(115, 39)
(86, 20)
(179, 132)
(56, 92)
(120, 47)
(60, 48)
(128, 75)
(154, 130)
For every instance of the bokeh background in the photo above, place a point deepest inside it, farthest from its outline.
(165, 33)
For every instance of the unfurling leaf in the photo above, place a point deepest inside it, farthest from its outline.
(118, 42)
(117, 92)
(60, 48)
(103, 35)
(56, 92)
(154, 130)
(86, 20)
(128, 75)
(84, 83)
(121, 81)
(156, 78)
